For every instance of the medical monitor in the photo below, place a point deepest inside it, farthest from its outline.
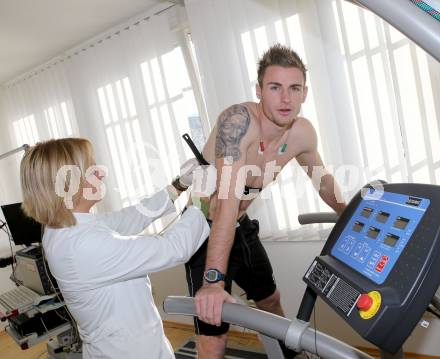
(24, 230)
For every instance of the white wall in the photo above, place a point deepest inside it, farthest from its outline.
(8, 193)
(290, 260)
(9, 167)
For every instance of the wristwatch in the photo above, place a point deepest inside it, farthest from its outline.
(213, 275)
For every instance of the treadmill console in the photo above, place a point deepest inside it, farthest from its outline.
(378, 232)
(380, 262)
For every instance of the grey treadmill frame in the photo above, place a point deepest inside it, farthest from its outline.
(409, 19)
(295, 333)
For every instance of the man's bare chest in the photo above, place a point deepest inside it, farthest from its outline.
(262, 167)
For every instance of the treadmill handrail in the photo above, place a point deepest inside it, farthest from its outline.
(273, 326)
(266, 323)
(318, 217)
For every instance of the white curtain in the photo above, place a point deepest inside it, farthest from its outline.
(373, 98)
(36, 107)
(131, 92)
(137, 99)
(373, 95)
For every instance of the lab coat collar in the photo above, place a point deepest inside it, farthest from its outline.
(84, 217)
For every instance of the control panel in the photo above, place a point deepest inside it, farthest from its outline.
(378, 232)
(379, 267)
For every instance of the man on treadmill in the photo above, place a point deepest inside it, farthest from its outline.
(260, 135)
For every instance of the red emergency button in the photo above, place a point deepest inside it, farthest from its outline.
(364, 302)
(369, 304)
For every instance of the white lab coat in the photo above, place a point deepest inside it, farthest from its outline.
(101, 268)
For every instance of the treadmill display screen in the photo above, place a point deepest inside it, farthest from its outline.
(382, 217)
(366, 212)
(358, 226)
(377, 233)
(401, 223)
(391, 240)
(373, 232)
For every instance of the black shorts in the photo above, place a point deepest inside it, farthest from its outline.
(248, 266)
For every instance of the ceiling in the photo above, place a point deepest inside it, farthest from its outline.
(34, 31)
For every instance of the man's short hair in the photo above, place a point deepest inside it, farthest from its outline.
(279, 55)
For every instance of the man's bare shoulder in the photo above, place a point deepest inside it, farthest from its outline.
(235, 124)
(303, 127)
(235, 130)
(241, 115)
(304, 133)
(244, 110)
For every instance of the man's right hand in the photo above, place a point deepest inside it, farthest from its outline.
(209, 303)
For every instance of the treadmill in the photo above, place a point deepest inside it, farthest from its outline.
(378, 270)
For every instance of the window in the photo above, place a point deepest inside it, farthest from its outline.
(58, 121)
(392, 95)
(25, 131)
(147, 154)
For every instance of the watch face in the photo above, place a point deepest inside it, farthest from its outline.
(213, 276)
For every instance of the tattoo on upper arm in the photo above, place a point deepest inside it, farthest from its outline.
(232, 126)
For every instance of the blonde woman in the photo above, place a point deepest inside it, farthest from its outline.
(100, 263)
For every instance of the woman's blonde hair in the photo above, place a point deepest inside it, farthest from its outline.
(38, 174)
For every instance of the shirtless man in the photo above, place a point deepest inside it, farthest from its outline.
(257, 134)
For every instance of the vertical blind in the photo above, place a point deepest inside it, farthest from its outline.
(373, 98)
